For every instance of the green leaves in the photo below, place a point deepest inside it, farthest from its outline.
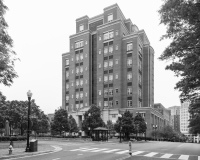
(7, 55)
(182, 19)
(94, 120)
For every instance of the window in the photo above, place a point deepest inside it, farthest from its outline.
(72, 96)
(77, 57)
(106, 103)
(116, 90)
(139, 78)
(110, 103)
(85, 55)
(116, 102)
(99, 51)
(79, 44)
(139, 64)
(99, 38)
(81, 69)
(129, 46)
(67, 98)
(116, 76)
(110, 17)
(129, 103)
(105, 78)
(110, 77)
(67, 86)
(105, 64)
(129, 76)
(77, 83)
(81, 27)
(72, 83)
(108, 35)
(116, 61)
(77, 95)
(116, 33)
(86, 94)
(129, 61)
(110, 49)
(99, 79)
(99, 103)
(129, 91)
(67, 62)
(67, 74)
(111, 63)
(72, 59)
(86, 81)
(139, 93)
(99, 92)
(81, 105)
(86, 68)
(110, 91)
(77, 70)
(99, 65)
(116, 47)
(72, 71)
(86, 104)
(105, 92)
(81, 95)
(105, 50)
(140, 104)
(77, 106)
(81, 56)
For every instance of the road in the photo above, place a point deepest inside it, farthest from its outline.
(67, 150)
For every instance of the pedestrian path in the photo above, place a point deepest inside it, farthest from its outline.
(137, 153)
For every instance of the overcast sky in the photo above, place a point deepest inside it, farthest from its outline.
(41, 29)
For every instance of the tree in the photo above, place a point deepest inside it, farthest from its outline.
(140, 125)
(194, 122)
(167, 132)
(7, 55)
(110, 127)
(72, 125)
(94, 120)
(126, 123)
(60, 122)
(182, 18)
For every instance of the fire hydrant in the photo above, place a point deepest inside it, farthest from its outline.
(130, 148)
(10, 149)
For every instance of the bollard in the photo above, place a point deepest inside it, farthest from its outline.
(130, 148)
(10, 149)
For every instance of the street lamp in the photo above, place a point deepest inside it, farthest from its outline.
(155, 127)
(29, 94)
(89, 115)
(120, 127)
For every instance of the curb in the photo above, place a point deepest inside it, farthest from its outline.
(25, 154)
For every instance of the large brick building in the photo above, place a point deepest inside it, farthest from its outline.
(175, 117)
(110, 64)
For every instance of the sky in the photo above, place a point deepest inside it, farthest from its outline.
(40, 30)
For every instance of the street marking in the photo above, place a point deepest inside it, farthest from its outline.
(166, 155)
(151, 154)
(136, 153)
(198, 157)
(88, 149)
(76, 149)
(113, 150)
(185, 157)
(122, 152)
(100, 150)
(80, 154)
(56, 159)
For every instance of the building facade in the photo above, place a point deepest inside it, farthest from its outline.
(175, 117)
(110, 64)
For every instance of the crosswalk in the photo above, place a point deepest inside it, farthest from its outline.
(137, 153)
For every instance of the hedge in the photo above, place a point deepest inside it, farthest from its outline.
(16, 138)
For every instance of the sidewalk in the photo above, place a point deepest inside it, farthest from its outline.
(21, 151)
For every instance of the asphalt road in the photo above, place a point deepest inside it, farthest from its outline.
(67, 150)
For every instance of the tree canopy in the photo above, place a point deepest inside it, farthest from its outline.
(182, 19)
(72, 125)
(7, 55)
(140, 123)
(60, 122)
(94, 120)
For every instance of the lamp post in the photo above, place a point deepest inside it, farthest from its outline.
(29, 94)
(154, 127)
(89, 115)
(120, 127)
